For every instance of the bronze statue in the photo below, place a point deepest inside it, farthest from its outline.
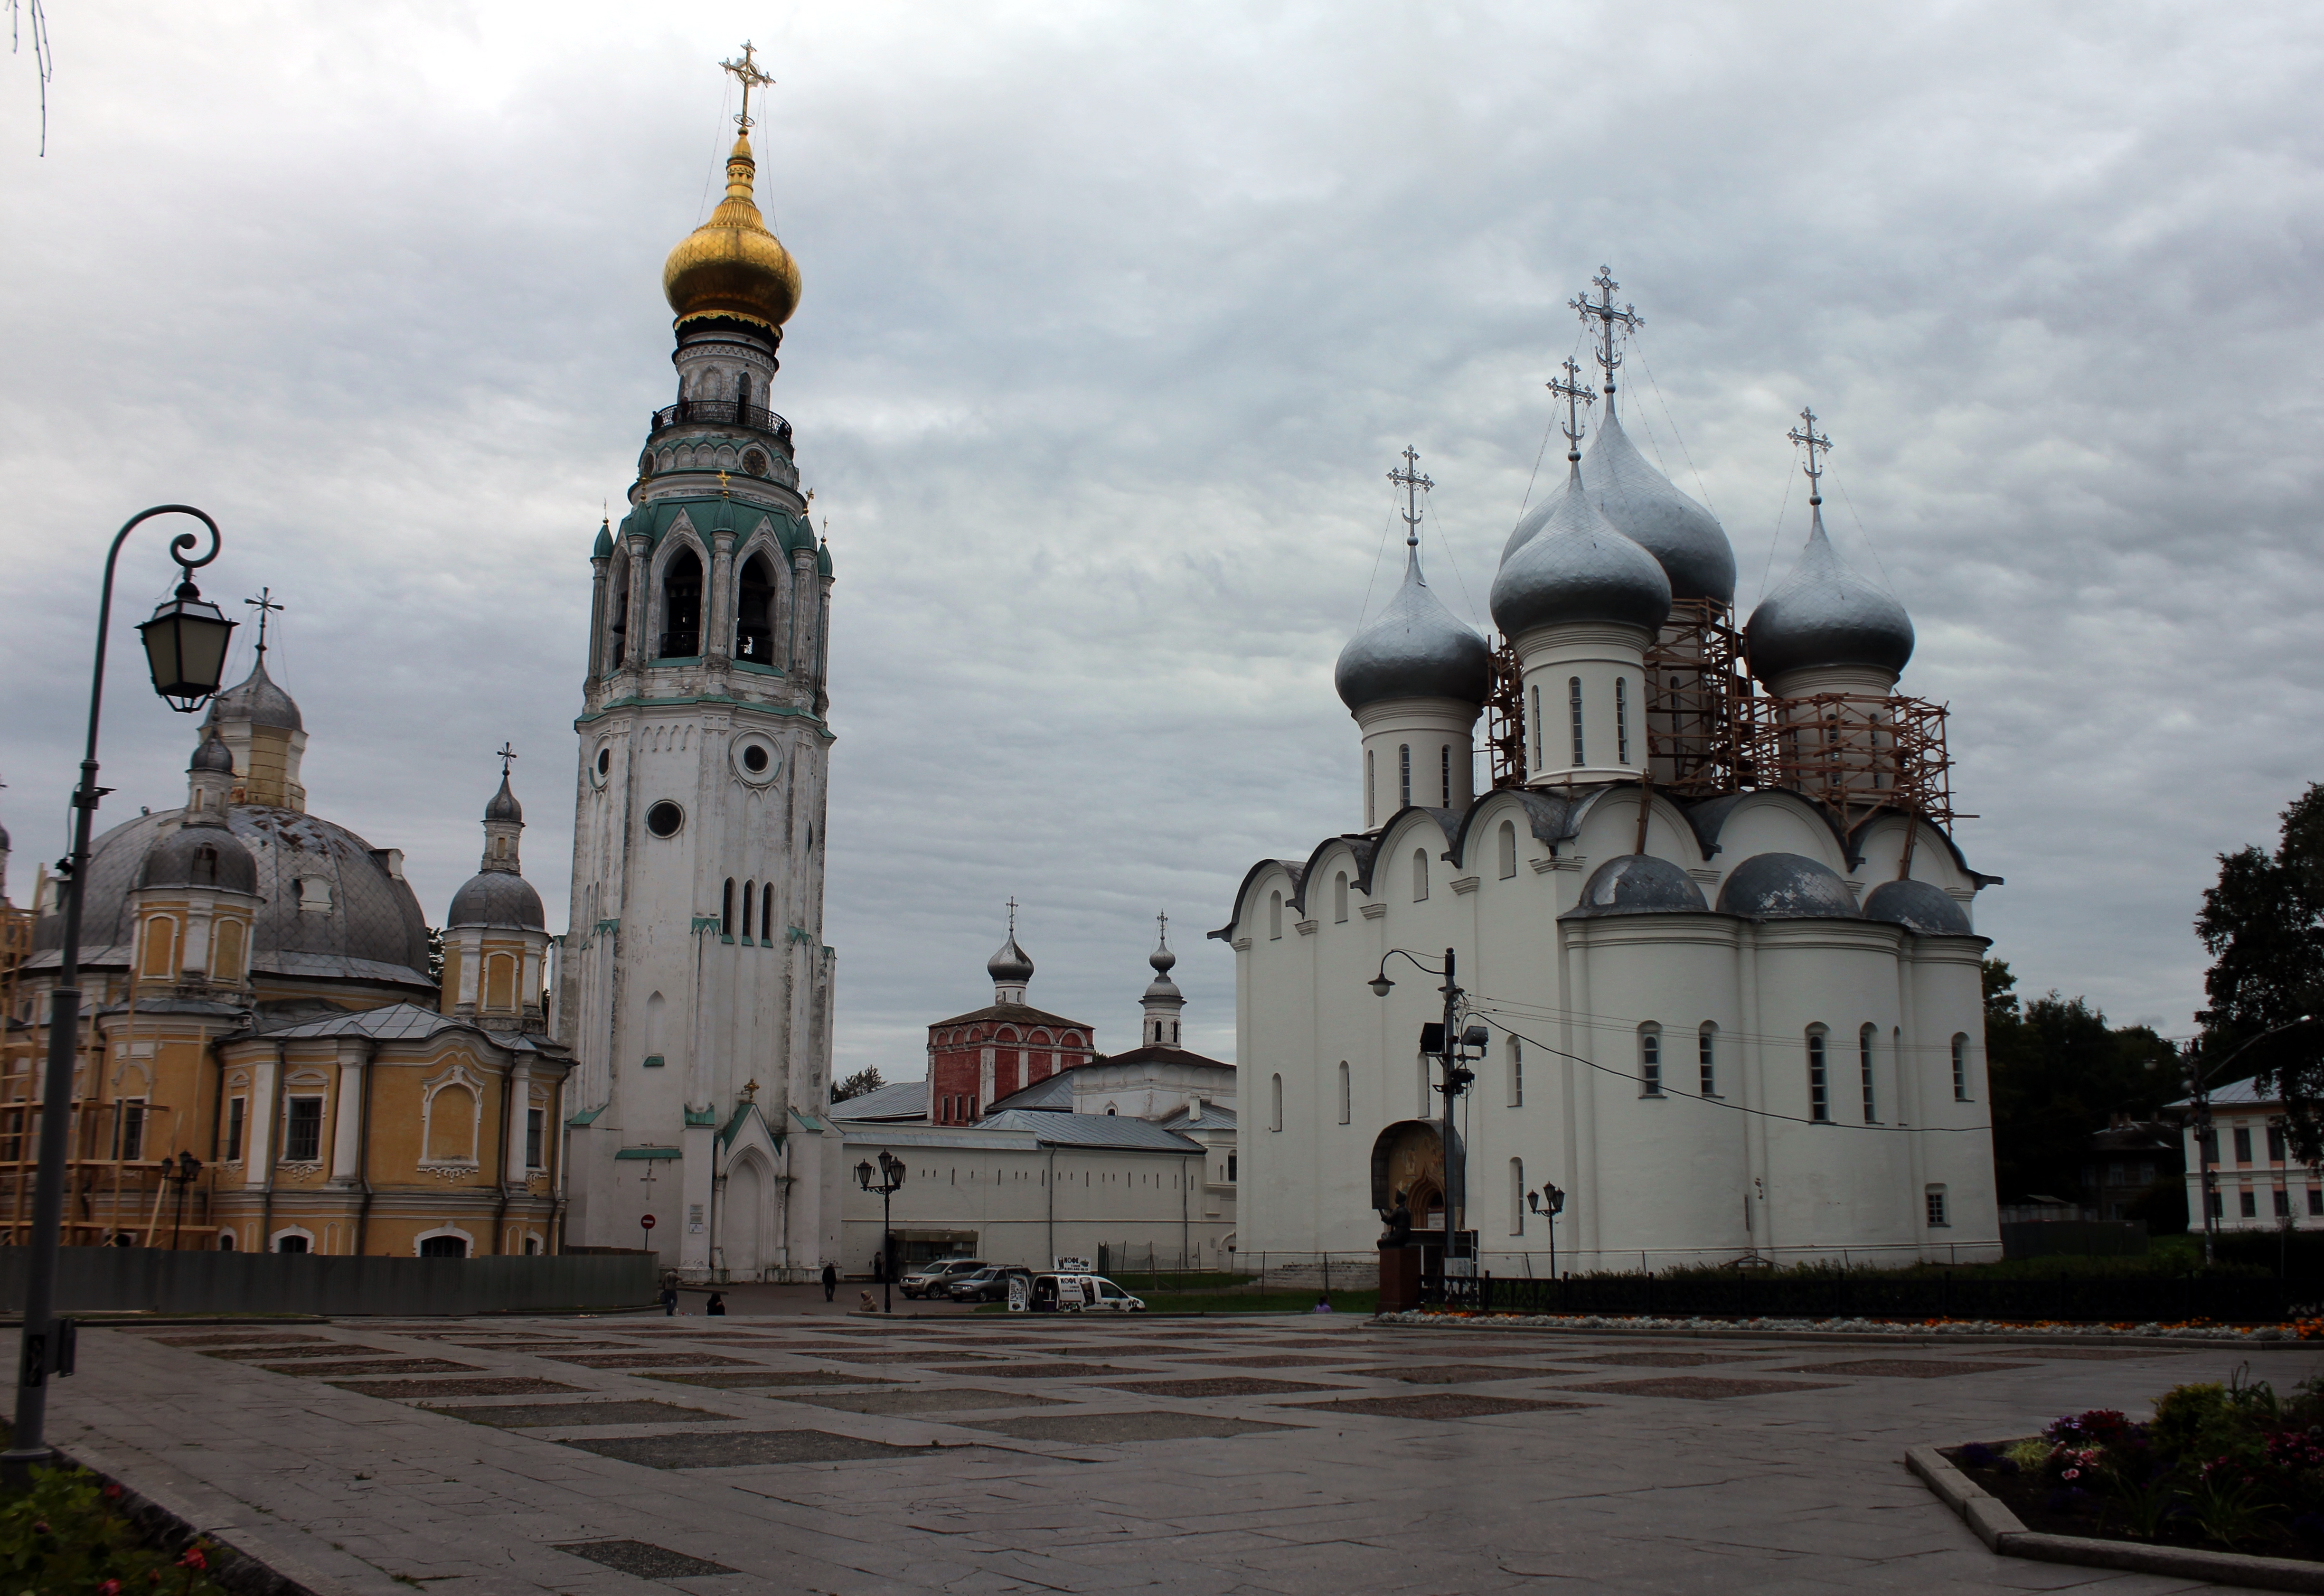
(1398, 1221)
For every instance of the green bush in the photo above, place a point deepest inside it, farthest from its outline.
(65, 1535)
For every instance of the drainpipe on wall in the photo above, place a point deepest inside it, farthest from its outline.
(217, 1139)
(1053, 1205)
(1185, 1218)
(500, 1216)
(273, 1151)
(363, 1144)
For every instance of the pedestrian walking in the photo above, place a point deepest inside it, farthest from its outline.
(669, 1301)
(830, 1281)
(879, 1268)
(717, 1309)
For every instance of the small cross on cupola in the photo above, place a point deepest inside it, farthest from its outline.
(504, 820)
(1164, 1002)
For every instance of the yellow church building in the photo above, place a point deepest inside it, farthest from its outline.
(268, 1060)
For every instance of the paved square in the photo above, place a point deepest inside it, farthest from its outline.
(334, 1370)
(1030, 1471)
(1901, 1368)
(1224, 1386)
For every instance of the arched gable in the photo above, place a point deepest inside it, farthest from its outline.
(1552, 820)
(1252, 881)
(1771, 820)
(1606, 825)
(1878, 841)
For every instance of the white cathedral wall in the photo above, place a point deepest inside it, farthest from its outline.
(1672, 1177)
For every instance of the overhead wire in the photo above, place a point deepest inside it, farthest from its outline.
(1624, 1025)
(1543, 453)
(1776, 538)
(1864, 532)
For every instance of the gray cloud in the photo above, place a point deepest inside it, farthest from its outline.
(1113, 324)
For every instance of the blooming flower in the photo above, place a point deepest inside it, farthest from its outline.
(2071, 1474)
(109, 1588)
(193, 1558)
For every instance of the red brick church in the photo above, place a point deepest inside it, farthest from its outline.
(977, 1058)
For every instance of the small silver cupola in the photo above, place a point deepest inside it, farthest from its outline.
(1415, 650)
(1823, 613)
(1010, 967)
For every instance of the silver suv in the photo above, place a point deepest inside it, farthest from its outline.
(935, 1280)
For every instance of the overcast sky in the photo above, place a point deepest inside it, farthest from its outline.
(1115, 317)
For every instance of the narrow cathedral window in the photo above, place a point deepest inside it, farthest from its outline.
(1536, 728)
(1706, 1055)
(234, 1109)
(1650, 1063)
(533, 1120)
(130, 1129)
(1622, 718)
(726, 909)
(1404, 778)
(1275, 1112)
(1517, 1073)
(749, 892)
(1420, 874)
(1339, 897)
(1344, 1102)
(681, 600)
(1370, 805)
(1275, 916)
(1960, 1068)
(766, 912)
(302, 1139)
(1509, 841)
(1864, 1060)
(1444, 763)
(1818, 1086)
(1574, 709)
(1936, 1196)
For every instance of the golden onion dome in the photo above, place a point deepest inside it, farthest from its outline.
(731, 265)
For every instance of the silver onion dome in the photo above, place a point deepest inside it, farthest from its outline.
(1824, 613)
(213, 756)
(503, 804)
(1011, 964)
(1685, 539)
(499, 899)
(255, 699)
(1415, 650)
(1786, 887)
(1578, 566)
(1639, 883)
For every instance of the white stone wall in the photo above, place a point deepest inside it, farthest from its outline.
(1675, 1179)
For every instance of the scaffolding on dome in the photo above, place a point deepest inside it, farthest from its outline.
(1505, 733)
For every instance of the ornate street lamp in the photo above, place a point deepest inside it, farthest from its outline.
(185, 648)
(1549, 1203)
(892, 1179)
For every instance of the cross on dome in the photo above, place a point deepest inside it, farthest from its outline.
(506, 752)
(1576, 396)
(1413, 485)
(1807, 435)
(264, 603)
(1601, 310)
(746, 73)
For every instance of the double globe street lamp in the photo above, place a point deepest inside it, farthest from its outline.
(891, 1180)
(185, 650)
(1549, 1203)
(1453, 1049)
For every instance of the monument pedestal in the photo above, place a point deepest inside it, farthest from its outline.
(1399, 1278)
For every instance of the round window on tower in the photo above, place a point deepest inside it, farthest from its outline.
(600, 765)
(664, 818)
(756, 759)
(754, 461)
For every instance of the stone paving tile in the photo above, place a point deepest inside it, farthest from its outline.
(1450, 1374)
(1901, 1368)
(1664, 1360)
(499, 1386)
(767, 1378)
(1221, 1386)
(1058, 1370)
(859, 1355)
(251, 1339)
(328, 1349)
(646, 1561)
(647, 1359)
(1436, 1405)
(1110, 1428)
(329, 1371)
(686, 1450)
(912, 1399)
(526, 1415)
(1702, 1387)
(1273, 1360)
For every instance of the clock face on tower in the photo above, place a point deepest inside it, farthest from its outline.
(755, 461)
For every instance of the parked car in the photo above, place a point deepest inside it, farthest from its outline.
(934, 1280)
(1112, 1298)
(988, 1283)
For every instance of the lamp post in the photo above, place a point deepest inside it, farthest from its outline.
(2199, 1083)
(1549, 1203)
(188, 1170)
(185, 648)
(1449, 1045)
(892, 1179)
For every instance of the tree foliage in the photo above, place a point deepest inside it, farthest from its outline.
(2058, 1070)
(2263, 927)
(857, 1084)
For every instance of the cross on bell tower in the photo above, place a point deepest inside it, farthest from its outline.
(1815, 442)
(1606, 317)
(1413, 485)
(264, 603)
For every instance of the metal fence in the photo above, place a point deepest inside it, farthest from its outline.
(149, 1279)
(1843, 1293)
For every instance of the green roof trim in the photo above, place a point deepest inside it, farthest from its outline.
(702, 1116)
(648, 1152)
(808, 1120)
(716, 512)
(587, 1117)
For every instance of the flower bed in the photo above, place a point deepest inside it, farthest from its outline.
(2233, 1466)
(67, 1536)
(2193, 1329)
